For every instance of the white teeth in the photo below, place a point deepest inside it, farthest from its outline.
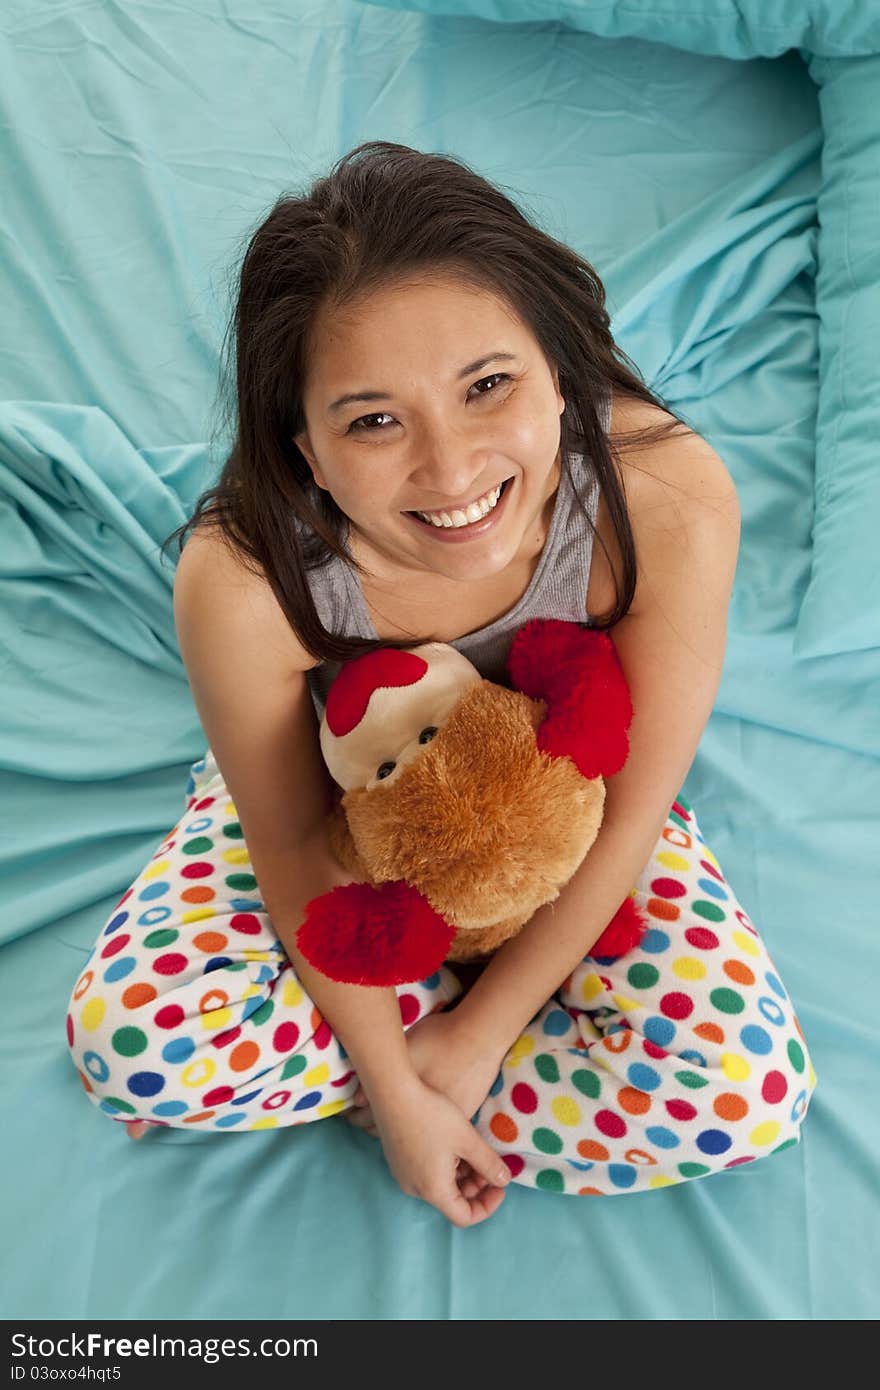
(474, 512)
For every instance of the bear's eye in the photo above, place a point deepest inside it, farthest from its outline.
(385, 770)
(427, 734)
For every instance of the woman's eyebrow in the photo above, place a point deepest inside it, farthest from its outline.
(386, 395)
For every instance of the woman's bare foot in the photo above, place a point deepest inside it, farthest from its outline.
(136, 1129)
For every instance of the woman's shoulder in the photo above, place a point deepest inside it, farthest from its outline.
(678, 470)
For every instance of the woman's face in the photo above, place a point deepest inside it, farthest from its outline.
(432, 436)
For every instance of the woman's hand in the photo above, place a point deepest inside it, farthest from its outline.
(426, 1140)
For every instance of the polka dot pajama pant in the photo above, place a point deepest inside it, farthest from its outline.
(678, 1060)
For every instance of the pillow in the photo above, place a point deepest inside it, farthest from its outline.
(726, 28)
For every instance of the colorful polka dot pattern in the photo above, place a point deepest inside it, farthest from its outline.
(678, 1060)
(681, 1059)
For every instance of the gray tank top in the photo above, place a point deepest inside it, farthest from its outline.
(558, 587)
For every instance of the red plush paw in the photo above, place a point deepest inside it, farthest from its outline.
(623, 933)
(361, 935)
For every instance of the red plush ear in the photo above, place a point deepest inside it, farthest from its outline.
(623, 933)
(361, 935)
(577, 672)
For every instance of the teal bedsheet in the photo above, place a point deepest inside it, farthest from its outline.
(142, 145)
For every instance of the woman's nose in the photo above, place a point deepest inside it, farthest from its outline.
(450, 474)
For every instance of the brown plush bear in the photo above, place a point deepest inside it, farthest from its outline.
(464, 806)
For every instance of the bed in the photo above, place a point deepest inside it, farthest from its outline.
(717, 162)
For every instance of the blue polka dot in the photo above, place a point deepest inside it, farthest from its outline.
(115, 923)
(655, 942)
(771, 1010)
(799, 1106)
(713, 1141)
(498, 1083)
(154, 916)
(712, 887)
(642, 1077)
(216, 963)
(246, 905)
(660, 1031)
(171, 1107)
(756, 1039)
(119, 969)
(581, 1167)
(154, 890)
(432, 981)
(226, 1121)
(692, 1055)
(111, 1108)
(95, 1066)
(266, 973)
(251, 1006)
(775, 985)
(145, 1083)
(178, 1050)
(196, 826)
(662, 1138)
(307, 1102)
(622, 1174)
(243, 1100)
(556, 1023)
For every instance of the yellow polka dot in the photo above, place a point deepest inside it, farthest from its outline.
(239, 855)
(735, 1068)
(93, 1014)
(156, 869)
(812, 1076)
(566, 1110)
(521, 1048)
(707, 854)
(590, 987)
(332, 1107)
(317, 1075)
(624, 1002)
(257, 955)
(230, 809)
(747, 943)
(670, 860)
(197, 914)
(688, 968)
(217, 1018)
(292, 993)
(662, 1181)
(249, 990)
(765, 1133)
(197, 1073)
(268, 1122)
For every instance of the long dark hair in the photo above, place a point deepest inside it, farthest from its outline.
(386, 212)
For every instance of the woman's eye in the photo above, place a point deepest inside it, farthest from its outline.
(359, 425)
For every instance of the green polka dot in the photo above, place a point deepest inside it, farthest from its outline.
(546, 1067)
(200, 845)
(547, 1141)
(242, 883)
(264, 1012)
(727, 1001)
(796, 1055)
(128, 1042)
(237, 965)
(693, 1170)
(789, 1143)
(643, 976)
(293, 1067)
(234, 830)
(161, 938)
(679, 821)
(118, 1104)
(685, 805)
(710, 912)
(587, 1083)
(550, 1180)
(689, 1078)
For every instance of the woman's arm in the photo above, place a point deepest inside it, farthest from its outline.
(686, 523)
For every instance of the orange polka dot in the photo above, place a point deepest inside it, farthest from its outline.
(87, 1085)
(730, 1107)
(589, 1192)
(315, 1020)
(710, 1032)
(666, 911)
(199, 893)
(504, 1128)
(632, 1101)
(138, 995)
(676, 836)
(202, 1115)
(210, 941)
(617, 1042)
(739, 972)
(638, 1156)
(87, 980)
(588, 1148)
(798, 1027)
(243, 1056)
(214, 999)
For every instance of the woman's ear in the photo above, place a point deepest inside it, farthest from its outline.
(303, 443)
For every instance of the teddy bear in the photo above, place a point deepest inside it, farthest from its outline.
(461, 806)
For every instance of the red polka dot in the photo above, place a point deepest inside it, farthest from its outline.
(323, 1036)
(710, 869)
(409, 1008)
(70, 1030)
(246, 923)
(125, 897)
(652, 1049)
(668, 887)
(218, 1096)
(225, 1038)
(285, 1037)
(115, 946)
(681, 1109)
(610, 1124)
(514, 1163)
(749, 1158)
(170, 1017)
(524, 1098)
(702, 938)
(200, 869)
(680, 811)
(170, 964)
(342, 1080)
(205, 802)
(677, 1005)
(774, 1088)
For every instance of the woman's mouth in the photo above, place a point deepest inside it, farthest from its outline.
(470, 530)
